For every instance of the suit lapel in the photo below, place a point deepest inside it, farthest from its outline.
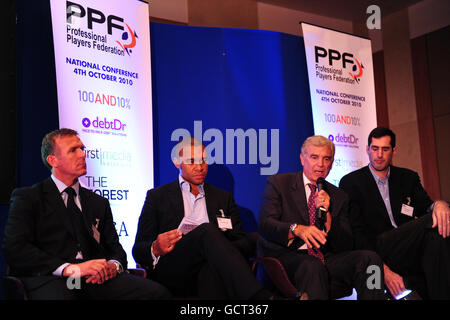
(211, 205)
(299, 196)
(52, 195)
(176, 199)
(394, 193)
(87, 209)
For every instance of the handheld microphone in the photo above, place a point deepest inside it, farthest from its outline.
(321, 212)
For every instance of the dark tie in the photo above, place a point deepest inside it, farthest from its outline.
(81, 233)
(312, 220)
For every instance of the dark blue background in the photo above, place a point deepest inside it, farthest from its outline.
(229, 79)
(226, 78)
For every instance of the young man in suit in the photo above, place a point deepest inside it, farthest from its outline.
(314, 254)
(392, 213)
(60, 239)
(207, 261)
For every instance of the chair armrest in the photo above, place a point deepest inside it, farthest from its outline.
(277, 274)
(140, 272)
(14, 288)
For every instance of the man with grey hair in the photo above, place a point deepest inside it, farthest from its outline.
(304, 223)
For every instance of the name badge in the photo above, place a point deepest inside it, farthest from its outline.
(225, 223)
(407, 210)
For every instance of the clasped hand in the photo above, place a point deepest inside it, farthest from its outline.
(95, 271)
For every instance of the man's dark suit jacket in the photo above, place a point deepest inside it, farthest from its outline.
(163, 211)
(39, 236)
(284, 203)
(368, 214)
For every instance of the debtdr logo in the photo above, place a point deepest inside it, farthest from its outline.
(115, 125)
(351, 139)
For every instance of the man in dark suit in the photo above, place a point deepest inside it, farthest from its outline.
(392, 213)
(314, 255)
(190, 235)
(60, 239)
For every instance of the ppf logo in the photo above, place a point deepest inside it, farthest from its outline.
(345, 59)
(94, 16)
(115, 125)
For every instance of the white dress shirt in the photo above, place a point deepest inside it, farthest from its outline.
(383, 187)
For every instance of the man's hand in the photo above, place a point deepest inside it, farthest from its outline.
(322, 199)
(328, 222)
(441, 218)
(165, 242)
(393, 281)
(95, 271)
(312, 236)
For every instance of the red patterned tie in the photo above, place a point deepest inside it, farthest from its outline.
(312, 220)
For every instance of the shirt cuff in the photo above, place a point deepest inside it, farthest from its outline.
(59, 272)
(431, 207)
(155, 258)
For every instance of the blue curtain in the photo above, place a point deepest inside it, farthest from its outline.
(226, 78)
(230, 79)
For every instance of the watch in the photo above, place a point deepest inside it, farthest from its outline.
(118, 267)
(292, 229)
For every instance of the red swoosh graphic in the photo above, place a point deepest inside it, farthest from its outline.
(360, 71)
(133, 40)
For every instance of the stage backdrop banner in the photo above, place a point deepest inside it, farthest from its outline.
(103, 73)
(341, 82)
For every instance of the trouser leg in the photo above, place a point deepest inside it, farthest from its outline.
(307, 273)
(359, 269)
(436, 265)
(206, 244)
(126, 287)
(417, 249)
